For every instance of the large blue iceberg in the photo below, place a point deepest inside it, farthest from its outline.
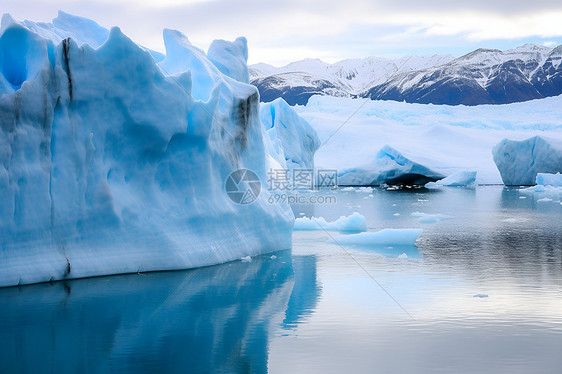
(113, 158)
(519, 162)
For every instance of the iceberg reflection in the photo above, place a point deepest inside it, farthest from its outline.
(217, 319)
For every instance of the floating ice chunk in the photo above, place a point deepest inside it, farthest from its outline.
(386, 236)
(396, 214)
(552, 191)
(347, 189)
(273, 257)
(390, 167)
(546, 179)
(364, 189)
(431, 218)
(459, 179)
(544, 200)
(536, 189)
(403, 255)
(353, 222)
(519, 162)
(246, 259)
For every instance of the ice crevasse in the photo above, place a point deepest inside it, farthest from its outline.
(113, 158)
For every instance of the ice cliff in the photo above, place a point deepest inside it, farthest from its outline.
(113, 158)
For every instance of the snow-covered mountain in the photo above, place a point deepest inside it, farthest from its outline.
(484, 76)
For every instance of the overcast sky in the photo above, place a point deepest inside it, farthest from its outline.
(282, 31)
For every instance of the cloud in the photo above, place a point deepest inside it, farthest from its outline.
(282, 31)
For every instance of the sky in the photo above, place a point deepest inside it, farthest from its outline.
(283, 31)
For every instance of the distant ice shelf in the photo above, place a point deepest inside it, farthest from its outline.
(444, 139)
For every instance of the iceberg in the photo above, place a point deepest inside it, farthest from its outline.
(458, 179)
(547, 185)
(519, 162)
(546, 179)
(390, 167)
(293, 139)
(353, 222)
(113, 161)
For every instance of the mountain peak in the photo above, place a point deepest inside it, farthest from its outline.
(483, 76)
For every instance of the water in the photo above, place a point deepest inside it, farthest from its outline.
(481, 293)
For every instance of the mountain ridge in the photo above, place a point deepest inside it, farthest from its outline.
(483, 76)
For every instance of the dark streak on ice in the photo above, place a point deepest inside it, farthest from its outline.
(65, 50)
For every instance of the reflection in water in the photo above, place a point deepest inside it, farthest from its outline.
(215, 319)
(498, 244)
(306, 291)
(267, 315)
(392, 251)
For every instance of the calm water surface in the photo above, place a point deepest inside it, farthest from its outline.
(479, 293)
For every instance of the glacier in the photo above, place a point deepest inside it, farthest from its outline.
(519, 162)
(390, 167)
(113, 158)
(445, 139)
